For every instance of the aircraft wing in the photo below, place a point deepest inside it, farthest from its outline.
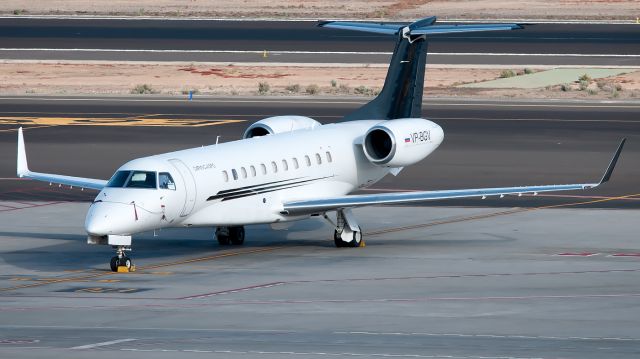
(24, 172)
(327, 204)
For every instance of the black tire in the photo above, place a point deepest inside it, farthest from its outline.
(342, 244)
(236, 235)
(337, 240)
(114, 264)
(223, 240)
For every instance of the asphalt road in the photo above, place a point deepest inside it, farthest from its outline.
(244, 41)
(487, 144)
(462, 283)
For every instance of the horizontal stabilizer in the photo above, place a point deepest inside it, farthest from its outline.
(421, 27)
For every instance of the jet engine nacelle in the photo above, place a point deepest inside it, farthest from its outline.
(280, 124)
(401, 142)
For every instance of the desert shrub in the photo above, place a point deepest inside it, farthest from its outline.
(143, 89)
(295, 88)
(507, 73)
(263, 88)
(528, 71)
(584, 77)
(344, 89)
(312, 89)
(334, 83)
(565, 87)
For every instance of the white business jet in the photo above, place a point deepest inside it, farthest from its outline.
(286, 168)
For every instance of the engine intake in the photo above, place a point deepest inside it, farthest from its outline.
(401, 142)
(280, 124)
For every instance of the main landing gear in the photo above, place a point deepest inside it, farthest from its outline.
(121, 262)
(230, 235)
(347, 232)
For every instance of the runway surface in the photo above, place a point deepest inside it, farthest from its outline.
(487, 144)
(290, 41)
(520, 277)
(432, 282)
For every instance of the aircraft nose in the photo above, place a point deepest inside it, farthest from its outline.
(104, 218)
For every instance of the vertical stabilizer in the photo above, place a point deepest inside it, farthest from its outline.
(401, 95)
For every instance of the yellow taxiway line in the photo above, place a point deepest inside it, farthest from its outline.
(112, 121)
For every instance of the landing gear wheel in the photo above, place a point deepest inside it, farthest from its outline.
(125, 262)
(114, 264)
(121, 259)
(223, 240)
(222, 235)
(236, 235)
(356, 239)
(230, 235)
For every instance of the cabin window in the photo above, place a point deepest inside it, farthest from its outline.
(274, 166)
(225, 176)
(243, 171)
(166, 181)
(263, 168)
(235, 174)
(142, 179)
(253, 171)
(307, 160)
(329, 159)
(295, 162)
(318, 158)
(285, 165)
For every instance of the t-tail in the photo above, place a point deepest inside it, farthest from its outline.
(401, 95)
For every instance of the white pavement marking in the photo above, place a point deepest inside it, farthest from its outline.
(308, 52)
(462, 335)
(351, 354)
(552, 104)
(102, 344)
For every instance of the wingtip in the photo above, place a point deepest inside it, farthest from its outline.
(22, 167)
(612, 164)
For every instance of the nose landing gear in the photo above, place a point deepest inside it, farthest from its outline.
(230, 235)
(121, 262)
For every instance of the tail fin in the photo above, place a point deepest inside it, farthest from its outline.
(401, 95)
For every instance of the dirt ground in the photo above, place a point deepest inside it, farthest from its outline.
(360, 80)
(327, 9)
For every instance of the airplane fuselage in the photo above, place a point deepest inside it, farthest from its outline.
(245, 181)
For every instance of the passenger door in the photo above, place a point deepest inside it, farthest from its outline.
(189, 185)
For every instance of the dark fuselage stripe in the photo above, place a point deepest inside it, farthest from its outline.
(261, 188)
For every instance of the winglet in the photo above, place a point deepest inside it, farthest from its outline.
(612, 164)
(23, 169)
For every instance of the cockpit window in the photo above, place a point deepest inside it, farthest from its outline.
(142, 179)
(119, 179)
(166, 181)
(133, 179)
